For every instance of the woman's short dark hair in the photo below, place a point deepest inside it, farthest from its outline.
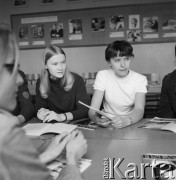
(124, 48)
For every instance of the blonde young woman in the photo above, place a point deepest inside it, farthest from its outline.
(59, 90)
(18, 157)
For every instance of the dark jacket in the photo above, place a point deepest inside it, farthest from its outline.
(167, 106)
(24, 105)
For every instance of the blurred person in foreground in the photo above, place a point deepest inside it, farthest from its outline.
(19, 159)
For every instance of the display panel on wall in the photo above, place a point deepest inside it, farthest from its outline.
(149, 23)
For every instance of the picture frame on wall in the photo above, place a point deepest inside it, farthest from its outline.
(46, 2)
(20, 3)
(134, 21)
(169, 22)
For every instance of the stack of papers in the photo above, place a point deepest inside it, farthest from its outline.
(160, 124)
(57, 165)
(162, 166)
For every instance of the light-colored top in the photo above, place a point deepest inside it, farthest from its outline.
(120, 93)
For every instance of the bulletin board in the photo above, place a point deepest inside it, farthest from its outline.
(147, 23)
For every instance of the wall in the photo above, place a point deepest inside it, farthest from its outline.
(149, 58)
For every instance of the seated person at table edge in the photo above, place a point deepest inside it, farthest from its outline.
(19, 159)
(167, 106)
(59, 90)
(24, 109)
(121, 90)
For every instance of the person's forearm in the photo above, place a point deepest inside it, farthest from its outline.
(91, 114)
(72, 158)
(136, 115)
(70, 172)
(64, 117)
(45, 158)
(69, 116)
(27, 110)
(79, 113)
(21, 119)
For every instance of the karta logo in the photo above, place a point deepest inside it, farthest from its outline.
(157, 171)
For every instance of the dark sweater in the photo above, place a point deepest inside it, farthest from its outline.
(24, 105)
(167, 106)
(61, 101)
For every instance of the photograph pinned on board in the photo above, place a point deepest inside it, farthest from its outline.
(46, 2)
(38, 31)
(75, 26)
(23, 33)
(98, 24)
(20, 3)
(134, 35)
(134, 21)
(150, 24)
(116, 23)
(169, 22)
(56, 30)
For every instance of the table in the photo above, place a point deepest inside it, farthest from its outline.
(130, 150)
(128, 143)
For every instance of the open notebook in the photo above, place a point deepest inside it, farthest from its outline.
(38, 129)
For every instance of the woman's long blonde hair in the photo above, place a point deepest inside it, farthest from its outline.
(66, 82)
